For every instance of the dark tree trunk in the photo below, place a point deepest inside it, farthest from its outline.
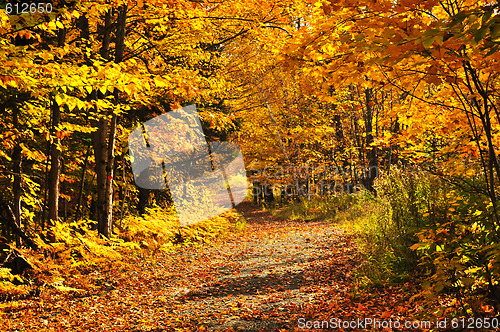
(54, 185)
(17, 170)
(106, 36)
(82, 184)
(100, 147)
(55, 168)
(7, 216)
(142, 203)
(99, 142)
(371, 154)
(104, 138)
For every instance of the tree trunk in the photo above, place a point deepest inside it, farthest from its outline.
(82, 185)
(99, 142)
(17, 185)
(55, 168)
(106, 37)
(371, 153)
(104, 138)
(54, 186)
(278, 134)
(100, 148)
(120, 33)
(124, 196)
(7, 215)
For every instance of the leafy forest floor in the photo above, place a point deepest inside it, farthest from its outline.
(266, 277)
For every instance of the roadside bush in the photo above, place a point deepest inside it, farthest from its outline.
(159, 228)
(389, 225)
(440, 233)
(461, 253)
(410, 193)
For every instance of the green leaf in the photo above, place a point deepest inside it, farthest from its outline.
(480, 34)
(428, 42)
(492, 51)
(495, 31)
(458, 19)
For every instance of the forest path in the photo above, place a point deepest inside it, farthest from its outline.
(261, 279)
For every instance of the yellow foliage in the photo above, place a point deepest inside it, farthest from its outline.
(159, 229)
(77, 246)
(9, 290)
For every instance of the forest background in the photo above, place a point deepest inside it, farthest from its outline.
(407, 90)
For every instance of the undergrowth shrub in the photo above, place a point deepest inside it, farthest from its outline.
(460, 252)
(446, 236)
(370, 219)
(389, 225)
(11, 285)
(410, 193)
(78, 248)
(159, 228)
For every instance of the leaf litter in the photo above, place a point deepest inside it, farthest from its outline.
(264, 278)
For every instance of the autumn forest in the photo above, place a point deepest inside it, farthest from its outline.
(357, 147)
